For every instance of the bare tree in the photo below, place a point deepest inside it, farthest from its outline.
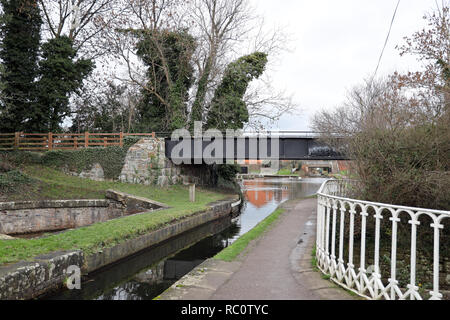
(217, 24)
(397, 129)
(83, 21)
(374, 104)
(266, 104)
(148, 67)
(431, 45)
(147, 16)
(226, 30)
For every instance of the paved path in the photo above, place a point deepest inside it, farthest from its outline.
(266, 271)
(275, 267)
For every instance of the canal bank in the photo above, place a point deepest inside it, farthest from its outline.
(276, 266)
(37, 276)
(148, 274)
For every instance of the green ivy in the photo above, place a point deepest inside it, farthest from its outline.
(11, 180)
(167, 56)
(112, 159)
(228, 109)
(19, 158)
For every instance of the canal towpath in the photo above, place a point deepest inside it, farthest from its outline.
(277, 266)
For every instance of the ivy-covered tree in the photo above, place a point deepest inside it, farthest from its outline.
(198, 107)
(228, 109)
(19, 51)
(167, 56)
(60, 76)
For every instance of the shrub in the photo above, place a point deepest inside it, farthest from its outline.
(5, 166)
(409, 166)
(227, 171)
(19, 158)
(227, 178)
(12, 180)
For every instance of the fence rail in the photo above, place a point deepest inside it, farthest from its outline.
(63, 141)
(337, 249)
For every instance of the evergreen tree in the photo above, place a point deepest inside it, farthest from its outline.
(228, 110)
(19, 55)
(60, 76)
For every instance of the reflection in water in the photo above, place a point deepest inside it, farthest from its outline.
(148, 274)
(263, 196)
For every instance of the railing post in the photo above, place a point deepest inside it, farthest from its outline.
(50, 141)
(333, 240)
(86, 140)
(369, 283)
(435, 294)
(327, 228)
(377, 273)
(318, 224)
(412, 285)
(362, 264)
(75, 142)
(322, 228)
(341, 241)
(351, 235)
(121, 139)
(393, 280)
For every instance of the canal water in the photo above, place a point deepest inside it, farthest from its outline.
(148, 274)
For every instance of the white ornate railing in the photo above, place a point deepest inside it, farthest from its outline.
(338, 212)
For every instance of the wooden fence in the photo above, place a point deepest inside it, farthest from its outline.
(63, 141)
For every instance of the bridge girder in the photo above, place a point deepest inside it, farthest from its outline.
(252, 148)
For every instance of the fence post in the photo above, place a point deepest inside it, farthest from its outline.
(192, 193)
(75, 143)
(121, 139)
(50, 141)
(86, 139)
(16, 140)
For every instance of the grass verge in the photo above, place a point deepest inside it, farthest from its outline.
(230, 253)
(106, 234)
(314, 259)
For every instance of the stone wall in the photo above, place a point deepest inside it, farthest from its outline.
(27, 280)
(43, 216)
(96, 173)
(146, 164)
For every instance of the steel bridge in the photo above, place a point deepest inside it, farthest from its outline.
(287, 145)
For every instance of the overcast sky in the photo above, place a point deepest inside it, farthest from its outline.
(336, 44)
